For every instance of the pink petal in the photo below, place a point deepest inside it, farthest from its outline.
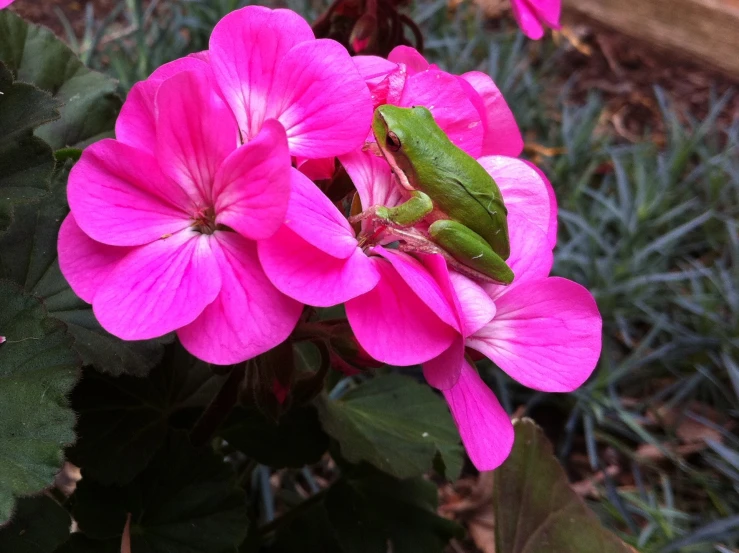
(246, 47)
(442, 372)
(548, 11)
(410, 57)
(531, 256)
(425, 283)
(525, 193)
(252, 186)
(119, 196)
(311, 215)
(317, 169)
(159, 287)
(477, 309)
(453, 111)
(546, 335)
(527, 19)
(312, 276)
(389, 90)
(502, 135)
(485, 428)
(372, 178)
(248, 317)
(373, 69)
(196, 131)
(392, 323)
(552, 232)
(136, 124)
(83, 262)
(321, 100)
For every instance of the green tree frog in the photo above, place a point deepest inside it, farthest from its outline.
(446, 185)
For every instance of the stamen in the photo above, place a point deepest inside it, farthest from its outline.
(204, 221)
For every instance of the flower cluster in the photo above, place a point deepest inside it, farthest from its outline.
(200, 218)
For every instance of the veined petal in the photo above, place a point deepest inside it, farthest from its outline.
(531, 256)
(84, 262)
(442, 372)
(410, 57)
(196, 132)
(546, 335)
(373, 69)
(312, 276)
(392, 323)
(548, 11)
(476, 306)
(527, 19)
(372, 178)
(321, 100)
(248, 317)
(136, 124)
(246, 47)
(502, 135)
(311, 215)
(524, 192)
(485, 428)
(552, 232)
(424, 284)
(159, 287)
(453, 111)
(120, 197)
(252, 186)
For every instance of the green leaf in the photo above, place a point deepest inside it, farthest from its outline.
(123, 421)
(297, 439)
(535, 508)
(28, 256)
(375, 513)
(26, 162)
(37, 370)
(186, 501)
(39, 525)
(35, 55)
(79, 543)
(310, 532)
(394, 423)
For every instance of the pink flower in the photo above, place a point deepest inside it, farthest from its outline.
(532, 15)
(5, 3)
(544, 332)
(469, 107)
(268, 65)
(165, 221)
(397, 311)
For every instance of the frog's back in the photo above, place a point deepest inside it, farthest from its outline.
(465, 192)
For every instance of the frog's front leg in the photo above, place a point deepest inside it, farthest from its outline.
(470, 249)
(410, 212)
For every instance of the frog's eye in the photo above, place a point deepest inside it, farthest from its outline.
(392, 142)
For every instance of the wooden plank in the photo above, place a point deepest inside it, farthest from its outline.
(707, 30)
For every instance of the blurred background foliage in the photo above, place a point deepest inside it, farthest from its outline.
(648, 222)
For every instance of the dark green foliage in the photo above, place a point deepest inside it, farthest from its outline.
(89, 103)
(295, 440)
(535, 508)
(37, 370)
(123, 421)
(394, 423)
(26, 162)
(185, 501)
(39, 525)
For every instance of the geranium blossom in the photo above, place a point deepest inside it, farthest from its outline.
(544, 332)
(166, 242)
(533, 15)
(5, 3)
(267, 64)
